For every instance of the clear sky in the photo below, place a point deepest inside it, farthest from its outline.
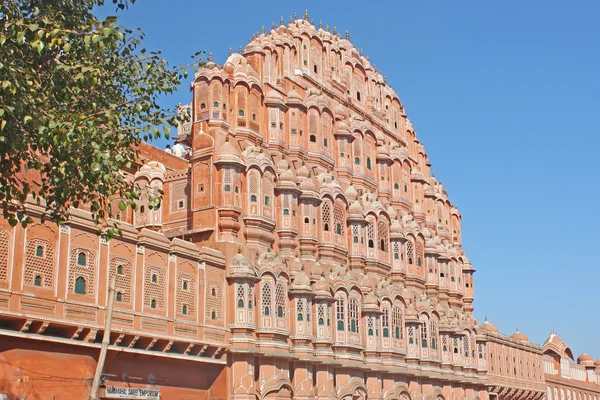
(505, 95)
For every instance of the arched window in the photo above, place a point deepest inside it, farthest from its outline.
(153, 303)
(340, 312)
(81, 259)
(119, 297)
(433, 333)
(39, 251)
(119, 270)
(213, 315)
(357, 160)
(410, 253)
(396, 186)
(184, 309)
(355, 240)
(80, 285)
(300, 310)
(241, 113)
(286, 211)
(202, 106)
(266, 299)
(371, 244)
(154, 278)
(385, 322)
(424, 334)
(228, 188)
(253, 198)
(213, 292)
(267, 201)
(368, 163)
(353, 316)
(325, 142)
(37, 281)
(281, 299)
(338, 229)
(240, 303)
(313, 138)
(184, 285)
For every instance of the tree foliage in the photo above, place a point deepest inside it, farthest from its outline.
(78, 94)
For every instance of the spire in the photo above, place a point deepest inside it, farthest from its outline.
(210, 57)
(230, 51)
(347, 35)
(240, 50)
(306, 15)
(320, 24)
(291, 19)
(281, 22)
(262, 30)
(295, 16)
(272, 25)
(334, 31)
(327, 28)
(486, 319)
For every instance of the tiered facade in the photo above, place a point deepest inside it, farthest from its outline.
(303, 251)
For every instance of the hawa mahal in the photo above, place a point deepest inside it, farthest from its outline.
(303, 250)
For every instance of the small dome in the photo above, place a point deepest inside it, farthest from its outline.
(597, 363)
(287, 176)
(371, 299)
(321, 285)
(340, 111)
(396, 227)
(300, 279)
(489, 327)
(228, 154)
(274, 97)
(351, 193)
(308, 184)
(294, 97)
(240, 265)
(302, 172)
(282, 165)
(519, 336)
(355, 208)
(585, 359)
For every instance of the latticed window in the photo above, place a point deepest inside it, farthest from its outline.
(267, 297)
(371, 234)
(338, 218)
(357, 233)
(370, 326)
(382, 234)
(396, 250)
(466, 345)
(419, 248)
(241, 295)
(227, 179)
(280, 299)
(398, 322)
(433, 331)
(353, 316)
(385, 322)
(340, 312)
(300, 306)
(455, 343)
(410, 252)
(326, 215)
(423, 334)
(321, 314)
(445, 343)
(253, 186)
(411, 335)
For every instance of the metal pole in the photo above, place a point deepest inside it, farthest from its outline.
(105, 339)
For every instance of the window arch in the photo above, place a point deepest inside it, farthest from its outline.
(326, 215)
(37, 281)
(80, 285)
(39, 251)
(410, 252)
(368, 163)
(339, 218)
(153, 303)
(119, 297)
(154, 278)
(385, 322)
(184, 309)
(398, 323)
(81, 259)
(119, 270)
(281, 299)
(382, 233)
(424, 332)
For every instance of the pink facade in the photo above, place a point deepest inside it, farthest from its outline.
(303, 251)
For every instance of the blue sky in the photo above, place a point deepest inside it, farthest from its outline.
(505, 96)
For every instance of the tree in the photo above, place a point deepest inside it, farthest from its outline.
(78, 95)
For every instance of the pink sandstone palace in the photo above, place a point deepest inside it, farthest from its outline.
(303, 251)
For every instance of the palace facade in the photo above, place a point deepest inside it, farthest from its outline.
(303, 251)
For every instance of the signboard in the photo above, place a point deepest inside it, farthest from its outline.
(117, 392)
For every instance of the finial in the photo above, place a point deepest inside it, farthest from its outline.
(347, 35)
(320, 24)
(306, 15)
(295, 16)
(230, 51)
(262, 30)
(272, 25)
(226, 138)
(375, 67)
(384, 80)
(312, 21)
(239, 250)
(327, 28)
(210, 57)
(334, 30)
(291, 19)
(240, 50)
(281, 21)
(486, 319)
